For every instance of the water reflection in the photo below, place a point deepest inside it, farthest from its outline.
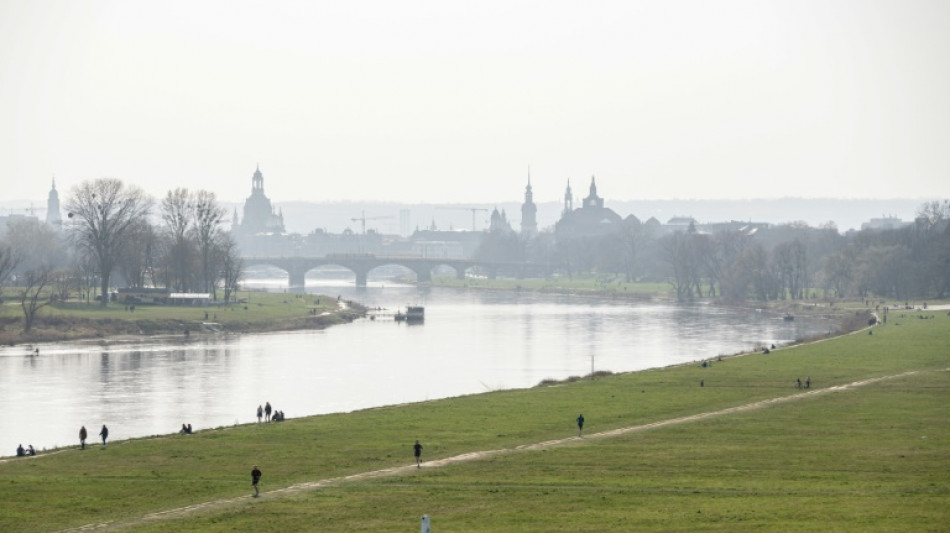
(471, 342)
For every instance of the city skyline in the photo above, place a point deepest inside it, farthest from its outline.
(453, 103)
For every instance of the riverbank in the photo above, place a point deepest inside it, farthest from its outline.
(729, 447)
(602, 287)
(851, 313)
(256, 312)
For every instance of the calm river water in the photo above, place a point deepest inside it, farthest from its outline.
(472, 341)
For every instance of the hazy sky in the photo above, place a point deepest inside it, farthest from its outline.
(452, 101)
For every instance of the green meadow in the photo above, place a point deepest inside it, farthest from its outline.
(867, 448)
(258, 311)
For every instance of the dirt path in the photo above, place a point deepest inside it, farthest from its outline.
(180, 512)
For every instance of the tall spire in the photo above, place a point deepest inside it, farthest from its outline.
(568, 198)
(529, 219)
(53, 216)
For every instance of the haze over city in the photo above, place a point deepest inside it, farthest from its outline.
(454, 102)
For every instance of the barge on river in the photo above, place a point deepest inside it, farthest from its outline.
(413, 313)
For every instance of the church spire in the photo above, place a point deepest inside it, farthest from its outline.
(53, 216)
(568, 198)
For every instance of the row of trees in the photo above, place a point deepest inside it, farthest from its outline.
(110, 232)
(789, 261)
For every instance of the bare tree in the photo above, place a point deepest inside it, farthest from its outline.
(680, 253)
(35, 243)
(208, 218)
(101, 216)
(33, 295)
(232, 266)
(838, 271)
(65, 281)
(177, 209)
(135, 264)
(624, 247)
(8, 263)
(933, 212)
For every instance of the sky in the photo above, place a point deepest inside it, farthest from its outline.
(457, 102)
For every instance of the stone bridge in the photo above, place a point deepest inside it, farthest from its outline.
(362, 264)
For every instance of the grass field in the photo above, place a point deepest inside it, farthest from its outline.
(874, 457)
(259, 311)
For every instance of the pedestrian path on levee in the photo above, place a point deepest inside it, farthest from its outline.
(180, 512)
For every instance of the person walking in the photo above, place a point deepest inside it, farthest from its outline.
(808, 382)
(417, 450)
(105, 435)
(82, 437)
(580, 424)
(255, 479)
(267, 411)
(260, 413)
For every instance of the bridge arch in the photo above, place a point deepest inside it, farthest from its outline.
(361, 265)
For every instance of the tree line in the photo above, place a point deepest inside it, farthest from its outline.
(781, 262)
(113, 232)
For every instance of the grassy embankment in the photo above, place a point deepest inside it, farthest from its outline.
(868, 458)
(600, 286)
(261, 312)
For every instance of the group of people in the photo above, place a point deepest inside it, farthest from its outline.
(798, 382)
(23, 452)
(83, 435)
(269, 414)
(185, 429)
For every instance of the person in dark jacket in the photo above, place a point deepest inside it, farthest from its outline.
(255, 479)
(417, 451)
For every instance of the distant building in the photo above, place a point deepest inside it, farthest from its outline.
(529, 213)
(568, 199)
(259, 215)
(499, 222)
(884, 223)
(53, 216)
(591, 219)
(436, 243)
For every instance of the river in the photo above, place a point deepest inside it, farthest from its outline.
(471, 342)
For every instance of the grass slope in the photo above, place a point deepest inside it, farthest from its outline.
(873, 458)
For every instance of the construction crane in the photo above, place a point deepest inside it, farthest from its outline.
(474, 210)
(363, 218)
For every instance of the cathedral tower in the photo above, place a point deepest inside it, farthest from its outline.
(53, 216)
(568, 199)
(529, 213)
(259, 215)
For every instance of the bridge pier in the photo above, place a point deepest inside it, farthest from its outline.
(423, 275)
(297, 277)
(361, 278)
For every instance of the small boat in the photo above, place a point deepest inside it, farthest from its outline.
(788, 318)
(413, 313)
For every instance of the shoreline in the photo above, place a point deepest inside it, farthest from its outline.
(67, 324)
